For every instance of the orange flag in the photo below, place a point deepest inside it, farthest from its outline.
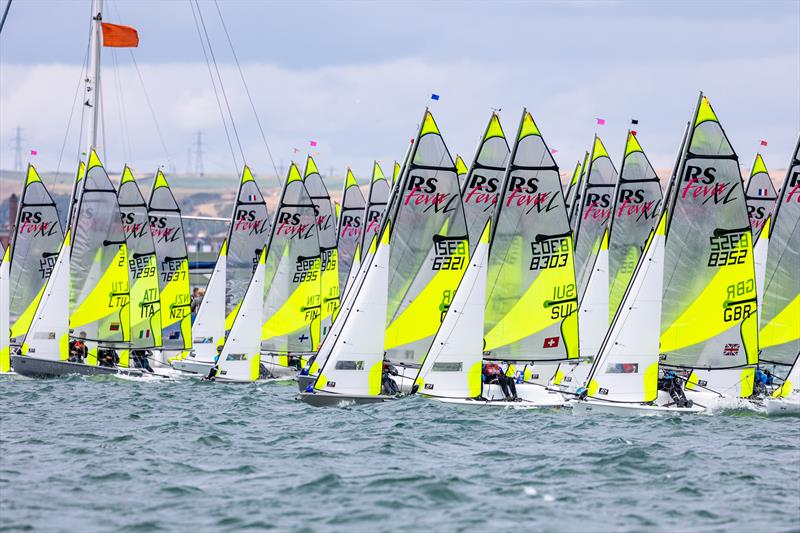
(117, 36)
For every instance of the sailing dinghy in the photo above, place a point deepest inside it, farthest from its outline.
(5, 341)
(780, 316)
(351, 224)
(377, 200)
(760, 196)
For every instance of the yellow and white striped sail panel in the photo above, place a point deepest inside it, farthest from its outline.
(33, 250)
(430, 247)
(145, 296)
(461, 169)
(350, 227)
(637, 203)
(99, 294)
(480, 188)
(760, 196)
(5, 345)
(709, 318)
(292, 273)
(377, 200)
(328, 243)
(166, 227)
(594, 210)
(531, 300)
(780, 311)
(248, 234)
(396, 171)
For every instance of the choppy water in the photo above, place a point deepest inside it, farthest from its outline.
(80, 455)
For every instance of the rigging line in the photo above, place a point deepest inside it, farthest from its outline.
(102, 113)
(214, 86)
(150, 107)
(249, 97)
(5, 15)
(221, 84)
(123, 111)
(118, 96)
(72, 112)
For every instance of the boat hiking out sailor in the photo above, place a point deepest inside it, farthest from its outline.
(672, 384)
(762, 383)
(389, 385)
(141, 359)
(493, 374)
(77, 350)
(212, 372)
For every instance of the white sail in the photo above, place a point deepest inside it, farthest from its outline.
(452, 366)
(593, 309)
(241, 353)
(5, 355)
(355, 364)
(208, 330)
(627, 367)
(48, 335)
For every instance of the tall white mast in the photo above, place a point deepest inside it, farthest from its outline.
(93, 76)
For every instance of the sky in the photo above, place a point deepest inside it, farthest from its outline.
(356, 76)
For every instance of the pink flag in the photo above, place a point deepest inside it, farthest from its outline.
(36, 152)
(553, 151)
(600, 121)
(763, 142)
(313, 143)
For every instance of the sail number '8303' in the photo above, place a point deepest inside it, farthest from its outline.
(550, 253)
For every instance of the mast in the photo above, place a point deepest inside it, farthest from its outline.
(93, 76)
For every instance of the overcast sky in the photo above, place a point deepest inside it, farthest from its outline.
(355, 76)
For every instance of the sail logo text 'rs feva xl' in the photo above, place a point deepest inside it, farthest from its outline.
(793, 194)
(524, 192)
(482, 191)
(351, 226)
(32, 223)
(700, 183)
(247, 222)
(631, 203)
(289, 224)
(597, 206)
(160, 231)
(132, 228)
(422, 191)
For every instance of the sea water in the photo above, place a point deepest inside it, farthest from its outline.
(88, 454)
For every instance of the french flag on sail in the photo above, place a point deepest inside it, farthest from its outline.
(252, 198)
(762, 192)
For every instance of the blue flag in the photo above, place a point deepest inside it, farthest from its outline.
(434, 97)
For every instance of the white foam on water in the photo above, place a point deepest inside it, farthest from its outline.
(530, 491)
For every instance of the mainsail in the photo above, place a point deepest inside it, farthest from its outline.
(377, 199)
(247, 236)
(760, 196)
(292, 273)
(593, 207)
(482, 185)
(531, 293)
(574, 194)
(430, 246)
(145, 297)
(33, 251)
(328, 242)
(709, 305)
(166, 227)
(637, 203)
(574, 183)
(351, 224)
(780, 313)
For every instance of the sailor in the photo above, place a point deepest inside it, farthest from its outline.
(763, 380)
(212, 373)
(493, 373)
(388, 385)
(671, 383)
(77, 351)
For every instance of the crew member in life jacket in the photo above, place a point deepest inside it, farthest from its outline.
(672, 383)
(763, 380)
(388, 385)
(77, 351)
(493, 373)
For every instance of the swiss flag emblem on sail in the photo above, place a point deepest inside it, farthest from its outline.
(551, 342)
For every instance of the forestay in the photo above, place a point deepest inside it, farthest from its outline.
(430, 246)
(594, 209)
(574, 194)
(292, 273)
(351, 224)
(145, 297)
(484, 180)
(780, 314)
(709, 305)
(637, 203)
(33, 250)
(760, 196)
(531, 298)
(99, 292)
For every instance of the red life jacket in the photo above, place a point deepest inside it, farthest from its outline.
(493, 369)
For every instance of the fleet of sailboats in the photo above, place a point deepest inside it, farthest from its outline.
(603, 294)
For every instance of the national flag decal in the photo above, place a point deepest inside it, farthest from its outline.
(144, 334)
(251, 198)
(551, 342)
(731, 350)
(434, 96)
(114, 326)
(174, 335)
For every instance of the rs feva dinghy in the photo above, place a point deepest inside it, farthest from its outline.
(5, 344)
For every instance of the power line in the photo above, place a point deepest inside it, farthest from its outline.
(198, 154)
(18, 148)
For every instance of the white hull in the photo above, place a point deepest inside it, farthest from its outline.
(783, 406)
(522, 404)
(270, 362)
(630, 409)
(190, 366)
